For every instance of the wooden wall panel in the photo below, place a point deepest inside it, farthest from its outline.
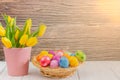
(88, 25)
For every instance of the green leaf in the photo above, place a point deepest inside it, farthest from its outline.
(35, 33)
(5, 18)
(13, 41)
(8, 32)
(14, 26)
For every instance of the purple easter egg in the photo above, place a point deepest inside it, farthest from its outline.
(59, 53)
(52, 52)
(54, 64)
(56, 58)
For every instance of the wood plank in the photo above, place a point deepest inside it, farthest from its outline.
(96, 70)
(2, 67)
(114, 66)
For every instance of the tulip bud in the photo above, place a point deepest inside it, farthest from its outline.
(17, 34)
(9, 19)
(11, 22)
(42, 30)
(23, 39)
(31, 41)
(28, 26)
(7, 43)
(2, 31)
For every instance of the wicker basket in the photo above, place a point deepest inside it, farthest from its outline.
(54, 73)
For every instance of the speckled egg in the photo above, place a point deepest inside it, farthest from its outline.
(73, 61)
(64, 63)
(54, 64)
(80, 56)
(44, 61)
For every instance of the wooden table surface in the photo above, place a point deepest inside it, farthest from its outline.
(91, 70)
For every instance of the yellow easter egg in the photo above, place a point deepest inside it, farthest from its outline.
(66, 55)
(41, 54)
(73, 61)
(50, 55)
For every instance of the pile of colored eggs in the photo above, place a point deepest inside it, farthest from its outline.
(55, 59)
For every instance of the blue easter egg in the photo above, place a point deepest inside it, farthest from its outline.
(64, 63)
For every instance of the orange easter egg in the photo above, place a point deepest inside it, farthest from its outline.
(66, 55)
(41, 54)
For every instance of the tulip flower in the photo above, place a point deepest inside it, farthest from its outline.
(9, 19)
(11, 22)
(42, 30)
(17, 34)
(20, 37)
(31, 41)
(23, 39)
(28, 26)
(2, 31)
(7, 43)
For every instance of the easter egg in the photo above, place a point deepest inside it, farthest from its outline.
(54, 64)
(59, 53)
(50, 55)
(64, 63)
(41, 54)
(66, 55)
(52, 52)
(56, 58)
(80, 56)
(44, 61)
(73, 61)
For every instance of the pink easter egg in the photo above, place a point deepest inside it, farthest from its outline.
(52, 52)
(56, 58)
(54, 64)
(45, 61)
(59, 53)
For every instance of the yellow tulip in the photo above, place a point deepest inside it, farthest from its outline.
(9, 19)
(11, 22)
(31, 41)
(28, 26)
(42, 30)
(7, 43)
(17, 34)
(23, 39)
(2, 31)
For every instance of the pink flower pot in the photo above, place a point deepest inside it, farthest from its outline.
(17, 60)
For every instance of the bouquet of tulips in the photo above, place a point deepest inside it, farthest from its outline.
(13, 36)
